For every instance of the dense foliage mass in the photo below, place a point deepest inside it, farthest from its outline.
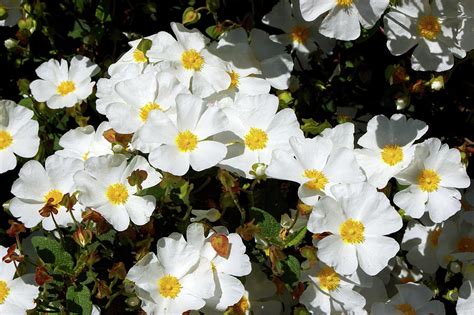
(237, 157)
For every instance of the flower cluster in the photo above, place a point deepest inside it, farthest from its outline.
(177, 105)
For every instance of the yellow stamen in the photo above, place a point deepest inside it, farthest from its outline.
(433, 236)
(66, 87)
(4, 291)
(256, 139)
(234, 79)
(117, 194)
(169, 287)
(392, 154)
(192, 60)
(352, 231)
(146, 109)
(428, 180)
(328, 279)
(344, 3)
(6, 139)
(186, 141)
(299, 34)
(318, 180)
(406, 309)
(53, 197)
(429, 27)
(139, 56)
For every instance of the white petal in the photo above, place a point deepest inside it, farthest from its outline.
(140, 208)
(335, 253)
(42, 90)
(443, 203)
(168, 158)
(375, 252)
(370, 11)
(341, 23)
(207, 154)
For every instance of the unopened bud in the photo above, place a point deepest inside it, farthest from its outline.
(190, 16)
(437, 83)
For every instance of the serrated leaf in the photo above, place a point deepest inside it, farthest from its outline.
(269, 226)
(296, 238)
(79, 300)
(51, 252)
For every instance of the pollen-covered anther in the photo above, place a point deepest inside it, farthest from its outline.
(317, 179)
(392, 154)
(328, 279)
(352, 231)
(169, 287)
(192, 60)
(256, 139)
(428, 180)
(147, 108)
(299, 34)
(139, 56)
(6, 139)
(344, 3)
(429, 27)
(117, 194)
(186, 141)
(66, 87)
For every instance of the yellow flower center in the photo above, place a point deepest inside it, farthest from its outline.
(328, 279)
(66, 87)
(299, 34)
(6, 139)
(4, 291)
(139, 56)
(392, 154)
(146, 109)
(344, 3)
(318, 180)
(186, 141)
(434, 236)
(192, 60)
(242, 306)
(169, 286)
(256, 139)
(234, 79)
(117, 194)
(352, 231)
(53, 197)
(428, 180)
(429, 27)
(465, 245)
(406, 309)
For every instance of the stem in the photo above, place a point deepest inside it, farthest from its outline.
(59, 230)
(241, 210)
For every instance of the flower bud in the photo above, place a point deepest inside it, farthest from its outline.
(190, 16)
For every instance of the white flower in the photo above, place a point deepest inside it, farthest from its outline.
(173, 281)
(226, 254)
(387, 147)
(274, 63)
(60, 86)
(432, 28)
(141, 95)
(83, 143)
(358, 218)
(433, 176)
(184, 142)
(465, 303)
(104, 186)
(412, 298)
(12, 12)
(137, 56)
(465, 37)
(18, 134)
(342, 135)
(344, 17)
(421, 242)
(38, 186)
(16, 295)
(191, 62)
(261, 130)
(316, 166)
(329, 292)
(303, 36)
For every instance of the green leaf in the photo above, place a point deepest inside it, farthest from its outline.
(296, 238)
(79, 300)
(269, 226)
(213, 31)
(314, 128)
(144, 45)
(213, 5)
(291, 270)
(51, 252)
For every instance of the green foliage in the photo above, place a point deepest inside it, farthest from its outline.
(51, 252)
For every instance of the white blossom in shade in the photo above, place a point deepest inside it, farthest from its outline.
(191, 62)
(38, 186)
(412, 298)
(465, 37)
(83, 143)
(274, 63)
(465, 302)
(104, 186)
(260, 130)
(185, 143)
(374, 294)
(316, 166)
(456, 241)
(357, 217)
(260, 297)
(303, 36)
(344, 17)
(211, 215)
(141, 95)
(421, 242)
(16, 295)
(433, 176)
(387, 147)
(106, 93)
(342, 135)
(329, 292)
(13, 12)
(432, 28)
(137, 56)
(61, 85)
(173, 281)
(18, 134)
(225, 266)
